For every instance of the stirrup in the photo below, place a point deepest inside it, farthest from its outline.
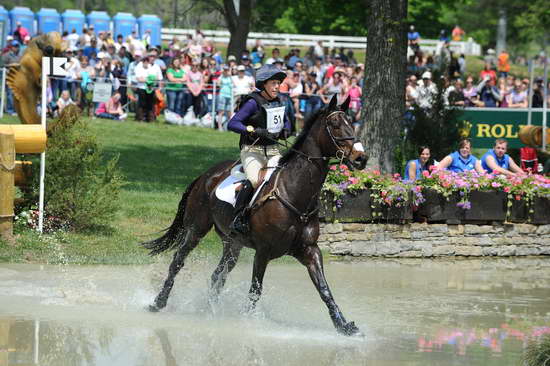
(240, 224)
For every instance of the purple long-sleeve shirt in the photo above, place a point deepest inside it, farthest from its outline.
(238, 122)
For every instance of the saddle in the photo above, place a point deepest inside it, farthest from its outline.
(227, 189)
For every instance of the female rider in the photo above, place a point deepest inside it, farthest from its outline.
(260, 121)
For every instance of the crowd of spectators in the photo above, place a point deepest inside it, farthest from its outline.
(494, 87)
(180, 75)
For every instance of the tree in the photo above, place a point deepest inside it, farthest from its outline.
(384, 87)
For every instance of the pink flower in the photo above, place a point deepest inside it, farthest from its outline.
(507, 189)
(347, 173)
(376, 172)
(418, 188)
(333, 167)
(518, 197)
(353, 180)
(343, 167)
(426, 173)
(495, 184)
(396, 175)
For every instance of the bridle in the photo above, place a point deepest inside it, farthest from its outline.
(340, 153)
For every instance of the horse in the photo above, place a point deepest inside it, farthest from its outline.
(283, 220)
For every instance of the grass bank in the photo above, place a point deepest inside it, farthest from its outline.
(158, 162)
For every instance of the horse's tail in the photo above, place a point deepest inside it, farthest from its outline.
(176, 233)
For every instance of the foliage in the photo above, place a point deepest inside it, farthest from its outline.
(537, 352)
(81, 191)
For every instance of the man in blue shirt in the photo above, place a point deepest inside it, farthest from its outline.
(496, 160)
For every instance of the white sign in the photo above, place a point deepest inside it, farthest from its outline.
(275, 119)
(54, 66)
(102, 92)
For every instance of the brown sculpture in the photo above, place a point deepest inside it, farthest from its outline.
(25, 78)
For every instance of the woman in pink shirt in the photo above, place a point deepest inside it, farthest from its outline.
(195, 84)
(112, 109)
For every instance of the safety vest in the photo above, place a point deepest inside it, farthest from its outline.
(270, 116)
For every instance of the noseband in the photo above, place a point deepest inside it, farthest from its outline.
(340, 153)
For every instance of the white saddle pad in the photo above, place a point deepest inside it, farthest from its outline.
(226, 189)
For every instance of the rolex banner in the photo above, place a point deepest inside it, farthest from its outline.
(484, 125)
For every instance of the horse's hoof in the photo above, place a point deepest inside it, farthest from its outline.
(350, 330)
(153, 308)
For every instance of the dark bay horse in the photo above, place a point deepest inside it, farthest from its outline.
(283, 219)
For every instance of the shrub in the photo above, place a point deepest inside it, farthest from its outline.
(81, 189)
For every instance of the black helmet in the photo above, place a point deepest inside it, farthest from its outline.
(268, 72)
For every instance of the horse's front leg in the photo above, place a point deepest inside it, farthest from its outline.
(260, 264)
(312, 258)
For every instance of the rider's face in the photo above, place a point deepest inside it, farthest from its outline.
(271, 88)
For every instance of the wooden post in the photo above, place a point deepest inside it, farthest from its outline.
(7, 190)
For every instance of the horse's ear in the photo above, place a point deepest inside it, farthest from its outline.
(333, 102)
(344, 106)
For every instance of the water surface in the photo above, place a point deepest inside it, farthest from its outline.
(415, 312)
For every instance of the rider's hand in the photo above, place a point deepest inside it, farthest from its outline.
(284, 134)
(261, 132)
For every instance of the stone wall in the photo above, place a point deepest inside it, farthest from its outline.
(434, 240)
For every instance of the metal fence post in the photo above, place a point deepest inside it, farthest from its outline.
(3, 93)
(214, 104)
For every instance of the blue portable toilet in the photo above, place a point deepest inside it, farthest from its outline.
(152, 23)
(124, 23)
(23, 15)
(4, 20)
(48, 20)
(100, 20)
(73, 19)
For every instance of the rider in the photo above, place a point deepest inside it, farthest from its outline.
(260, 121)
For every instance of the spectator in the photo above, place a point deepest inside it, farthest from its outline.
(318, 50)
(457, 33)
(112, 109)
(496, 161)
(248, 68)
(414, 168)
(224, 97)
(355, 93)
(64, 100)
(243, 84)
(489, 95)
(414, 39)
(147, 75)
(73, 71)
(334, 86)
(471, 96)
(85, 76)
(503, 64)
(488, 71)
(195, 84)
(295, 91)
(504, 92)
(461, 160)
(275, 55)
(538, 97)
(462, 64)
(20, 32)
(258, 53)
(490, 58)
(294, 58)
(174, 89)
(11, 57)
(427, 92)
(517, 97)
(410, 92)
(312, 91)
(456, 96)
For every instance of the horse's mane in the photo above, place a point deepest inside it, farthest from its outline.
(309, 123)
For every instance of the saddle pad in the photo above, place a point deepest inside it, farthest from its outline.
(226, 189)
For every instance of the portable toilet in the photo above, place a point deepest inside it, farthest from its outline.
(100, 20)
(124, 23)
(73, 19)
(152, 23)
(48, 20)
(23, 15)
(4, 24)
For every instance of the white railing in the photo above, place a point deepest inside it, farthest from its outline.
(290, 40)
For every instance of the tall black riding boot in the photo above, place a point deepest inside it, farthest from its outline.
(240, 222)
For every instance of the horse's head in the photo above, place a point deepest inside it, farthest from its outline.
(339, 139)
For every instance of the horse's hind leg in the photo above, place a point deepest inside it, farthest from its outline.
(231, 251)
(191, 241)
(312, 258)
(260, 264)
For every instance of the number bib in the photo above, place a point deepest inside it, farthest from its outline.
(275, 119)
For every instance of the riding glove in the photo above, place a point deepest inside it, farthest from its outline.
(261, 132)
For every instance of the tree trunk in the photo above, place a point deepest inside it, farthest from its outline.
(501, 30)
(384, 84)
(238, 23)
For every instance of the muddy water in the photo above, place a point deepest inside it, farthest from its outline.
(412, 313)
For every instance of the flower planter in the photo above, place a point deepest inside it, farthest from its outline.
(518, 212)
(485, 207)
(541, 211)
(355, 208)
